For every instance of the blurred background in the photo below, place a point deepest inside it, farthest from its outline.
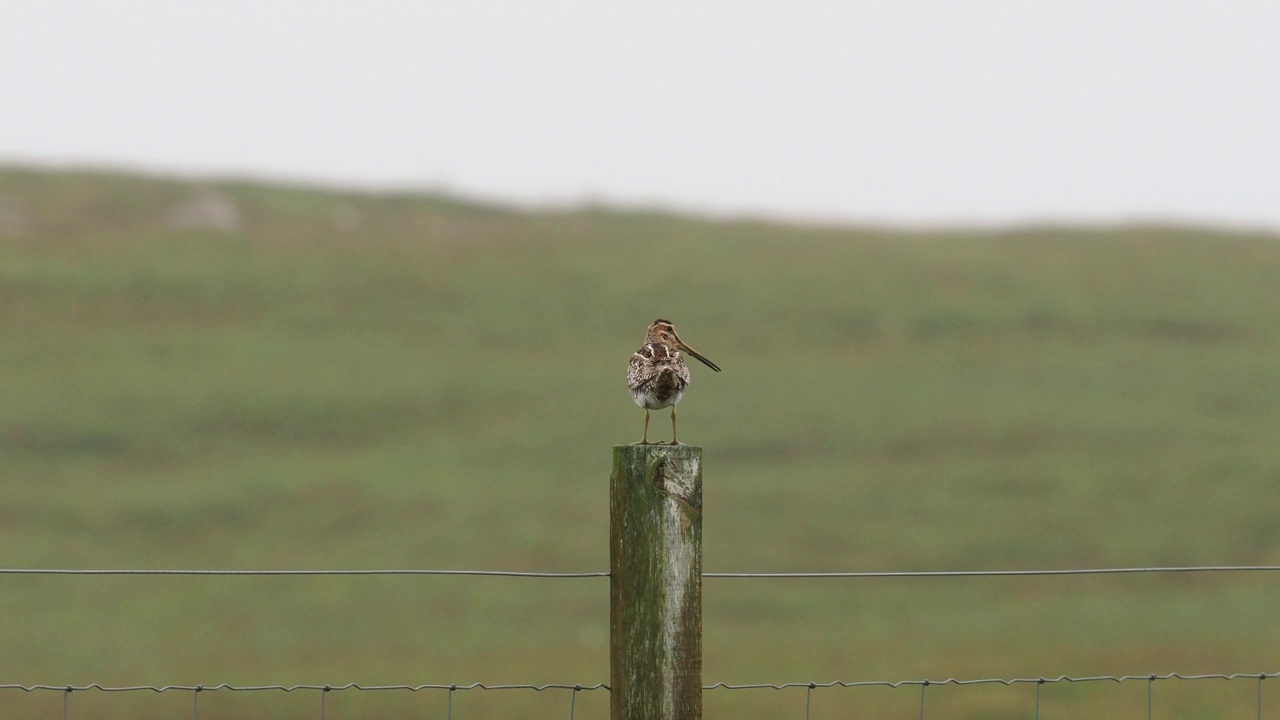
(354, 287)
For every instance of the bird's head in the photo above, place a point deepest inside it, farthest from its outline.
(662, 331)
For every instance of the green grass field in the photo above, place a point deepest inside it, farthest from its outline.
(350, 380)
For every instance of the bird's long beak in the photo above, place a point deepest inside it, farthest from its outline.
(698, 355)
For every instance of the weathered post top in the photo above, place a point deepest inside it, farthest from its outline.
(655, 586)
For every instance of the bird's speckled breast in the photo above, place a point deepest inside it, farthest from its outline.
(666, 389)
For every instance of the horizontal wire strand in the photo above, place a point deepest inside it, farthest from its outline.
(714, 575)
(405, 571)
(992, 681)
(997, 573)
(602, 686)
(293, 688)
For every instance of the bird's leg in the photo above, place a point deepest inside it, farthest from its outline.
(644, 440)
(674, 441)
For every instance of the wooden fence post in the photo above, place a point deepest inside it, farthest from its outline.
(655, 584)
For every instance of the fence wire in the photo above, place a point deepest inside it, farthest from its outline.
(581, 687)
(575, 689)
(1039, 682)
(324, 690)
(295, 688)
(401, 571)
(715, 575)
(808, 687)
(988, 681)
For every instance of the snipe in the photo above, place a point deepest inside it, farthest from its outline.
(659, 375)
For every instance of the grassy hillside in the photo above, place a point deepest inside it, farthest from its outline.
(233, 375)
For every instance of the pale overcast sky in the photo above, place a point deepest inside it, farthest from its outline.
(915, 112)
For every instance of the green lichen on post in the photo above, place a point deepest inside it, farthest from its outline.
(655, 555)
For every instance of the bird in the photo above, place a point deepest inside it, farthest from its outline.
(658, 375)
